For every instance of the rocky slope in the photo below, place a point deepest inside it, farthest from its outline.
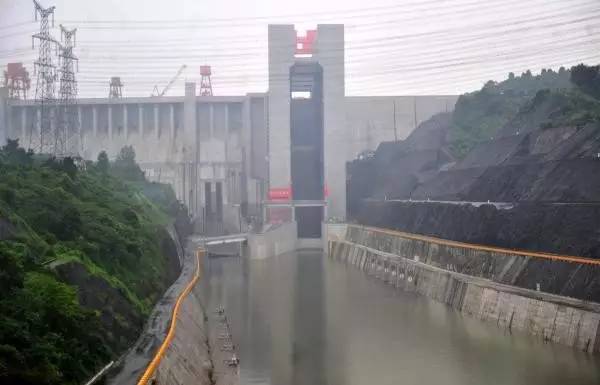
(543, 160)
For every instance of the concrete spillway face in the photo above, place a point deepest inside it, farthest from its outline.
(306, 137)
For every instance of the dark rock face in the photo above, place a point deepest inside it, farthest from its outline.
(121, 321)
(116, 312)
(399, 168)
(183, 224)
(565, 229)
(7, 230)
(171, 254)
(549, 175)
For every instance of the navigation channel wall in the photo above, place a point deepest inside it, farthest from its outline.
(479, 281)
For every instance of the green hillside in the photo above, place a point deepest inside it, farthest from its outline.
(481, 115)
(81, 262)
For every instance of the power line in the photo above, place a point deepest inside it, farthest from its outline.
(559, 12)
(442, 37)
(403, 64)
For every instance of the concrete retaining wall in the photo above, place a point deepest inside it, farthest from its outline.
(187, 360)
(510, 267)
(411, 265)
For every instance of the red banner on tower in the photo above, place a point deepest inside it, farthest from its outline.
(304, 44)
(280, 194)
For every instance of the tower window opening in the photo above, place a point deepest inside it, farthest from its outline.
(301, 94)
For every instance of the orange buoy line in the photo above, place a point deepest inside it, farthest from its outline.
(523, 253)
(149, 372)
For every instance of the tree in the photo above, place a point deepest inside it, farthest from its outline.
(490, 84)
(70, 224)
(103, 164)
(12, 153)
(511, 76)
(126, 155)
(68, 166)
(125, 166)
(587, 78)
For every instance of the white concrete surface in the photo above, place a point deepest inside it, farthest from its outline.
(277, 240)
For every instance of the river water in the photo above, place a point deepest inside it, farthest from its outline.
(304, 319)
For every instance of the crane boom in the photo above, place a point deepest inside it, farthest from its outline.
(168, 86)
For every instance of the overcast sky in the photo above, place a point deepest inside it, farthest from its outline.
(392, 47)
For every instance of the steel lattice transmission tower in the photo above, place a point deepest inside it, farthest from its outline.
(46, 77)
(68, 119)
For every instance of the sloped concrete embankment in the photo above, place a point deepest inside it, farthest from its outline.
(188, 359)
(477, 282)
(192, 356)
(187, 352)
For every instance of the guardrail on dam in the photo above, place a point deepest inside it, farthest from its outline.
(512, 288)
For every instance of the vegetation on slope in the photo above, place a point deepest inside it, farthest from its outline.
(549, 99)
(57, 212)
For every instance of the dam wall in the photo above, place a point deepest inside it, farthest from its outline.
(487, 283)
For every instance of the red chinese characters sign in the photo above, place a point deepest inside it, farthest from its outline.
(280, 194)
(305, 44)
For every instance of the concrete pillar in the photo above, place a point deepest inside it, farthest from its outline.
(191, 137)
(110, 127)
(211, 121)
(141, 120)
(79, 120)
(156, 121)
(226, 120)
(282, 47)
(125, 130)
(95, 121)
(245, 138)
(38, 123)
(172, 120)
(330, 55)
(4, 115)
(23, 123)
(79, 140)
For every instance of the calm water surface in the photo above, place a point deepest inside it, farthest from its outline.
(303, 319)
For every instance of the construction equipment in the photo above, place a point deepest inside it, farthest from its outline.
(156, 92)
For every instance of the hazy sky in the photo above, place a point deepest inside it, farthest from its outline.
(392, 47)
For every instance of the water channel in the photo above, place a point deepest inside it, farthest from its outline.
(304, 319)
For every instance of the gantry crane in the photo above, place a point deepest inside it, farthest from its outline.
(156, 92)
